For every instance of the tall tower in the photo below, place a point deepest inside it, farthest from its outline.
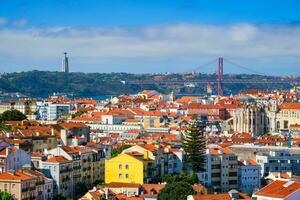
(220, 76)
(65, 64)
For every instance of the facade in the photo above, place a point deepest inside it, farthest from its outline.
(126, 168)
(221, 172)
(14, 159)
(279, 161)
(25, 184)
(288, 115)
(88, 163)
(248, 176)
(51, 111)
(131, 167)
(26, 106)
(60, 170)
(251, 118)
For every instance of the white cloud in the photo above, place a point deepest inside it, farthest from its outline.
(177, 42)
(3, 21)
(20, 22)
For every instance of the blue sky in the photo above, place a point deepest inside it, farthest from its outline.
(150, 36)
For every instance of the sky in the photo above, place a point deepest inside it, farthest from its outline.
(142, 36)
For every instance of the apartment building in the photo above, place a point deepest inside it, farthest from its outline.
(133, 167)
(13, 158)
(26, 184)
(88, 162)
(221, 171)
(60, 170)
(279, 161)
(248, 176)
(288, 115)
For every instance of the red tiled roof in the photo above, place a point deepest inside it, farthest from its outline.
(279, 189)
(215, 151)
(57, 159)
(290, 106)
(203, 106)
(3, 151)
(71, 125)
(17, 175)
(149, 147)
(212, 197)
(119, 184)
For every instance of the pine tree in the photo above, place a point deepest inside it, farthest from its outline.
(195, 146)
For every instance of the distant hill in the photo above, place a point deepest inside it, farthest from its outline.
(42, 83)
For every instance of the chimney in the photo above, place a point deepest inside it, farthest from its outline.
(52, 131)
(7, 151)
(63, 136)
(146, 155)
(207, 151)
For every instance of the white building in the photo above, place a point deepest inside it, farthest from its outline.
(14, 158)
(51, 111)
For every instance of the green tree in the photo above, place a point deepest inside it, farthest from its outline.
(5, 196)
(119, 150)
(79, 113)
(176, 191)
(194, 145)
(173, 178)
(12, 115)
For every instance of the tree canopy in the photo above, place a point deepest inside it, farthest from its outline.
(194, 145)
(5, 196)
(173, 178)
(119, 150)
(12, 115)
(176, 191)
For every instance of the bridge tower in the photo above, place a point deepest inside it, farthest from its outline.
(220, 76)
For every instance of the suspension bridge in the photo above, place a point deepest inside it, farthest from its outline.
(219, 78)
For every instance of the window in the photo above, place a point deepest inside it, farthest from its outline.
(120, 176)
(13, 186)
(126, 166)
(127, 176)
(5, 187)
(120, 166)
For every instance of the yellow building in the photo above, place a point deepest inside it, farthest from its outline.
(151, 122)
(128, 168)
(288, 115)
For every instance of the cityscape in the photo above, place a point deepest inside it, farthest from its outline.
(149, 100)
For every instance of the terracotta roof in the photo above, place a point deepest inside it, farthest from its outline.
(36, 154)
(119, 185)
(279, 189)
(149, 147)
(86, 119)
(219, 150)
(152, 188)
(132, 121)
(17, 175)
(3, 151)
(57, 159)
(71, 125)
(203, 106)
(119, 112)
(73, 150)
(290, 106)
(212, 197)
